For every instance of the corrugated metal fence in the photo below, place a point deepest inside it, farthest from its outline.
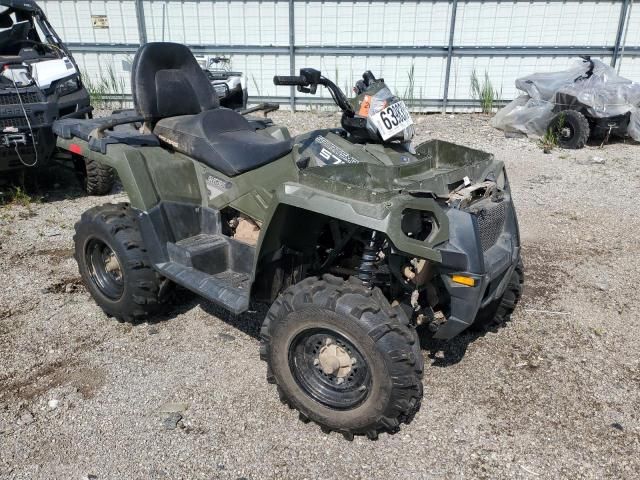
(425, 50)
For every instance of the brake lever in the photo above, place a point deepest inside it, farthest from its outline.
(312, 88)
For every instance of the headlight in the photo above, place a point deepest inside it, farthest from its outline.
(222, 90)
(68, 86)
(417, 224)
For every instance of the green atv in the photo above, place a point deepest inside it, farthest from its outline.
(350, 234)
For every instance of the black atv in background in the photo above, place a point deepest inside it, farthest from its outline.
(39, 83)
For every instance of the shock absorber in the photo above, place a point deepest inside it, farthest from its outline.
(368, 267)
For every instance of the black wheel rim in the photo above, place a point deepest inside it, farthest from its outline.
(344, 388)
(104, 268)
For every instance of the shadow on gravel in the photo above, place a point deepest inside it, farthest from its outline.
(445, 353)
(613, 140)
(248, 323)
(57, 181)
(183, 300)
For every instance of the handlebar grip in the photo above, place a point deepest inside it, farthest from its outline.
(289, 80)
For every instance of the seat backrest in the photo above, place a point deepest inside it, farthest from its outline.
(167, 81)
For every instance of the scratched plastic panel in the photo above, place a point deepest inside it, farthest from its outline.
(372, 24)
(502, 72)
(537, 23)
(218, 23)
(72, 20)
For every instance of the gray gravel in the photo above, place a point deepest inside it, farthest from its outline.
(553, 395)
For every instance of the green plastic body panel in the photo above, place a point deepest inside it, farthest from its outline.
(370, 194)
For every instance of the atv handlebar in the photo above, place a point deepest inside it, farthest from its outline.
(308, 81)
(296, 80)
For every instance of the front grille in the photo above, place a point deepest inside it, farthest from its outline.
(19, 122)
(13, 99)
(490, 223)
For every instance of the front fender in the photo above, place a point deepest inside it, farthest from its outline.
(385, 216)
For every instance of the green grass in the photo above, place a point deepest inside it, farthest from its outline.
(549, 140)
(409, 92)
(255, 84)
(485, 92)
(16, 196)
(107, 91)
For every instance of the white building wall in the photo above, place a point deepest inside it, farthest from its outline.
(355, 24)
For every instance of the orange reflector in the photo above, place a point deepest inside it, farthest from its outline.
(461, 279)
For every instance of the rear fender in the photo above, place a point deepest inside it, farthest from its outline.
(148, 175)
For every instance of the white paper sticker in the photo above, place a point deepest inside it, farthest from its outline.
(392, 120)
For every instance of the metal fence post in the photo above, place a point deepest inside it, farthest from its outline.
(292, 54)
(624, 8)
(447, 73)
(142, 28)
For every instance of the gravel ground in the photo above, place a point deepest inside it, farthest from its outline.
(553, 395)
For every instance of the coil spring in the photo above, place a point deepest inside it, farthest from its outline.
(368, 268)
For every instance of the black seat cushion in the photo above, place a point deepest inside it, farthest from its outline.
(221, 139)
(166, 81)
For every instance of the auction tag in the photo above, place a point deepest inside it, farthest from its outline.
(392, 120)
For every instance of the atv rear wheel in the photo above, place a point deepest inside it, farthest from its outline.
(498, 312)
(342, 357)
(97, 179)
(113, 263)
(571, 128)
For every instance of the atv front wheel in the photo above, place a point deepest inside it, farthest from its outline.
(571, 128)
(97, 179)
(498, 312)
(113, 263)
(342, 357)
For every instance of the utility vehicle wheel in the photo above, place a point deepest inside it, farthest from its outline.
(343, 357)
(113, 263)
(498, 313)
(97, 179)
(571, 128)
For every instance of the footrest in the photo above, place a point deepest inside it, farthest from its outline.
(207, 253)
(229, 289)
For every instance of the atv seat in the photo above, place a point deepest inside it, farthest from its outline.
(172, 92)
(222, 139)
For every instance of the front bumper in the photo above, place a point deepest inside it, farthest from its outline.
(485, 245)
(20, 139)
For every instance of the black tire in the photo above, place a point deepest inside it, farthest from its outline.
(98, 178)
(498, 313)
(380, 337)
(571, 128)
(133, 290)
